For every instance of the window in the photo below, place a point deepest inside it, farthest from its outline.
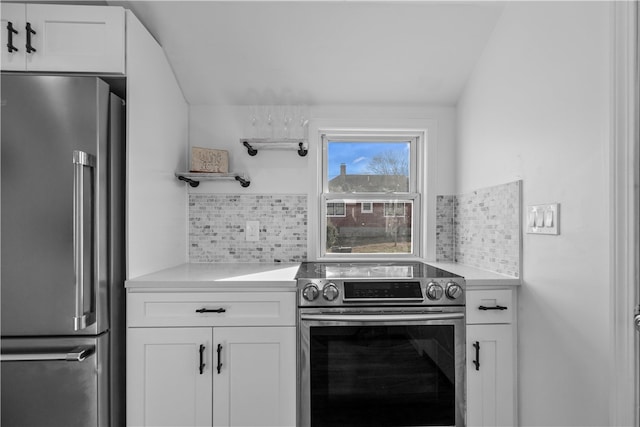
(370, 200)
(394, 209)
(335, 209)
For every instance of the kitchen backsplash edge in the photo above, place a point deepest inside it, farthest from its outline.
(481, 228)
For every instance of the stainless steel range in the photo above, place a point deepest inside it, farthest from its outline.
(380, 344)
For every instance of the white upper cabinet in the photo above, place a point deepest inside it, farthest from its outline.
(67, 38)
(13, 18)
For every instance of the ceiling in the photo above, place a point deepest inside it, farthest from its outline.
(320, 52)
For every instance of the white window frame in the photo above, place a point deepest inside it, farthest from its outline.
(413, 196)
(363, 210)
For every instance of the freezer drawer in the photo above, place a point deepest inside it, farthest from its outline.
(51, 382)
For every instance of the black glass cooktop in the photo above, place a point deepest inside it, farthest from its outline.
(370, 270)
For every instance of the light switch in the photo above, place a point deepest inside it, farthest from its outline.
(531, 219)
(543, 219)
(548, 218)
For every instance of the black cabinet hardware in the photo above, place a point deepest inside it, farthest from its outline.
(211, 310)
(252, 151)
(202, 364)
(301, 151)
(476, 362)
(497, 307)
(10, 32)
(243, 182)
(189, 181)
(219, 350)
(30, 48)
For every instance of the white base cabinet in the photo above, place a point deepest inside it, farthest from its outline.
(166, 387)
(491, 357)
(255, 385)
(197, 373)
(490, 386)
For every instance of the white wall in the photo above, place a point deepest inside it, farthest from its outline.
(157, 127)
(284, 172)
(537, 108)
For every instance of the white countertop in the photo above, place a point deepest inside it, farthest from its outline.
(475, 276)
(256, 276)
(276, 276)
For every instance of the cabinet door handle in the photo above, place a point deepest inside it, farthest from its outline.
(30, 31)
(211, 310)
(219, 350)
(202, 364)
(497, 307)
(10, 32)
(476, 362)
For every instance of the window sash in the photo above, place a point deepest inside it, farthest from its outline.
(412, 140)
(350, 198)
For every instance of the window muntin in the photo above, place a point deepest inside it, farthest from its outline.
(381, 201)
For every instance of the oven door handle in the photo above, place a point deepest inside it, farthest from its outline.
(381, 317)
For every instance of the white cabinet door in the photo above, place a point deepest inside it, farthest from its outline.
(64, 38)
(165, 384)
(256, 384)
(491, 386)
(13, 20)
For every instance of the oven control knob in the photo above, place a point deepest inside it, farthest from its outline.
(330, 292)
(434, 291)
(453, 290)
(310, 292)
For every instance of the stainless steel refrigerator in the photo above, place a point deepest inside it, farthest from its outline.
(62, 238)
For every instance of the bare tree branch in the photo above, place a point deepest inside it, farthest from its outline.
(389, 162)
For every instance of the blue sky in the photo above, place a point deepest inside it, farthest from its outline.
(356, 155)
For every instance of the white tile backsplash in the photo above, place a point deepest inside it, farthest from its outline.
(217, 228)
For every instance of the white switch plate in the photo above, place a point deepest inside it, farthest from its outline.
(252, 231)
(543, 219)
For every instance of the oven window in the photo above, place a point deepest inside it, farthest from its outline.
(382, 375)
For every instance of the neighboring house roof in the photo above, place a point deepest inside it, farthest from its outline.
(347, 183)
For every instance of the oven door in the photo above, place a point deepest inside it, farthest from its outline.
(373, 367)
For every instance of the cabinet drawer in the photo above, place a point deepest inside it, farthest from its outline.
(490, 306)
(211, 309)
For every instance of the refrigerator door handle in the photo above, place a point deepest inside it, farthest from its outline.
(81, 160)
(77, 354)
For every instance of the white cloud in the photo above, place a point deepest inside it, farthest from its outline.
(359, 159)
